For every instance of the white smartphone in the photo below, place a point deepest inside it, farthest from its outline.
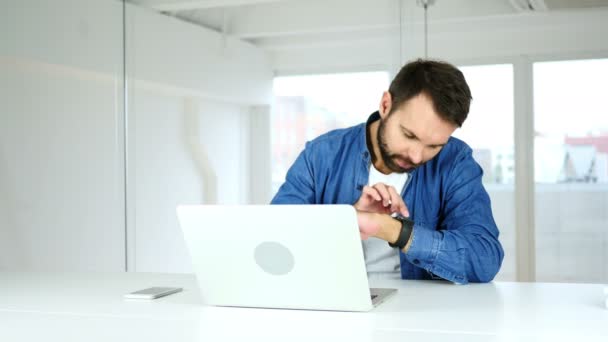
(153, 292)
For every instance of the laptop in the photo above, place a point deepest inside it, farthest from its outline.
(279, 256)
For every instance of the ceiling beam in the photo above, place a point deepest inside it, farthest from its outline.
(333, 16)
(271, 18)
(309, 17)
(182, 5)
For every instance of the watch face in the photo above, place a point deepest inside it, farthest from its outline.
(400, 217)
(397, 216)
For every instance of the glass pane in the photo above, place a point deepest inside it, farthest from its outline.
(571, 170)
(492, 111)
(61, 184)
(194, 96)
(308, 106)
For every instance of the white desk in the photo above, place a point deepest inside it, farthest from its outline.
(90, 307)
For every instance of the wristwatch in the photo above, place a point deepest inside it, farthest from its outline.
(407, 225)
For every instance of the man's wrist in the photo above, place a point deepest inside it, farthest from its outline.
(389, 228)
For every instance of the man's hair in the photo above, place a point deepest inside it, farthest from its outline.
(441, 81)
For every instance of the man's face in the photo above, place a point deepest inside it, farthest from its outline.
(412, 134)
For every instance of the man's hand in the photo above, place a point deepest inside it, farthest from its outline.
(368, 224)
(381, 199)
(377, 225)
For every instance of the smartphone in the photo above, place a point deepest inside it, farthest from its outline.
(153, 292)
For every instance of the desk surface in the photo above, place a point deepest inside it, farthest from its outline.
(79, 307)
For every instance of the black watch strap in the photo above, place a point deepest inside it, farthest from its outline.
(407, 225)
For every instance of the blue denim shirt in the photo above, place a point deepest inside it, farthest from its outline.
(454, 236)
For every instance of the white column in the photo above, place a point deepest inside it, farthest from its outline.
(524, 171)
(259, 155)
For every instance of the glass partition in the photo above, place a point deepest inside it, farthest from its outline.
(61, 140)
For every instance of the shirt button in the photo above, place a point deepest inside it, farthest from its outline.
(366, 154)
(416, 262)
(359, 187)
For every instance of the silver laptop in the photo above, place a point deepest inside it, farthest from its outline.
(279, 256)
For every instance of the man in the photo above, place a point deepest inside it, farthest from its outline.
(404, 161)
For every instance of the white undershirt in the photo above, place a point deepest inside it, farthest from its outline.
(380, 258)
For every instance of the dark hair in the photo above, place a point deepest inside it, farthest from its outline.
(441, 81)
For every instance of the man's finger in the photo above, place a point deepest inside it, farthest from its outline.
(383, 191)
(398, 205)
(373, 193)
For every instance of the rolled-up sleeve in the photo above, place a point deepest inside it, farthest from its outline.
(464, 247)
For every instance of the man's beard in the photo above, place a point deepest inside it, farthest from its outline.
(390, 158)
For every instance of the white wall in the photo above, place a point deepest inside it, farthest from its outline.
(191, 95)
(61, 132)
(61, 203)
(181, 148)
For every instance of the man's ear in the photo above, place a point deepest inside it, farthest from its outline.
(385, 104)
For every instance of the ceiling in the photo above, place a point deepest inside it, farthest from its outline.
(299, 31)
(292, 24)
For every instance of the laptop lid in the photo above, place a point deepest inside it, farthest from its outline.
(277, 256)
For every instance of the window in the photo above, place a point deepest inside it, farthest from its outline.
(571, 170)
(489, 131)
(308, 106)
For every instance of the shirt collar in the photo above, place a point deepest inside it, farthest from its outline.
(363, 146)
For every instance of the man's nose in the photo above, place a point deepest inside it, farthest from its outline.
(416, 154)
